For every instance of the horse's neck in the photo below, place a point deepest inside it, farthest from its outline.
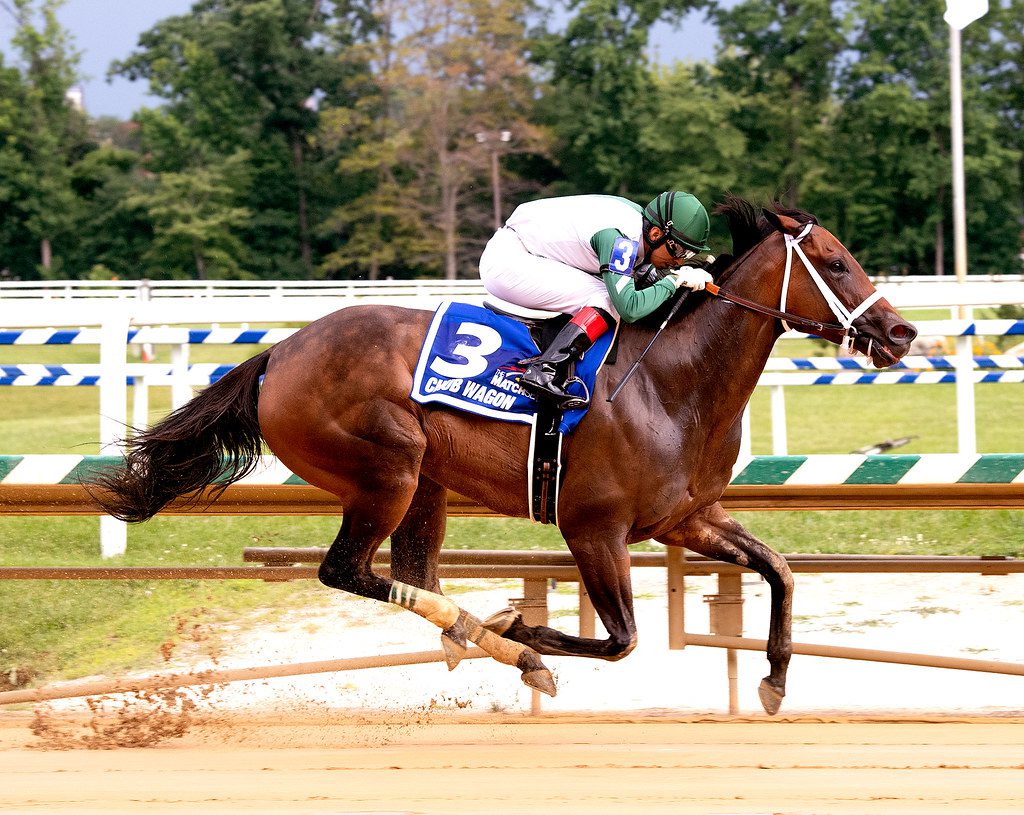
(723, 347)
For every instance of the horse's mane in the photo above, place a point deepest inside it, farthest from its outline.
(748, 227)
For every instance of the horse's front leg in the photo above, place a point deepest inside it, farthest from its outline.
(604, 569)
(711, 532)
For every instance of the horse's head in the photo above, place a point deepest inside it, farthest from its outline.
(823, 282)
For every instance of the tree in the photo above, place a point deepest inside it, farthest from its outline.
(689, 142)
(891, 147)
(466, 76)
(380, 226)
(413, 155)
(999, 48)
(42, 135)
(197, 220)
(781, 58)
(247, 75)
(113, 230)
(601, 89)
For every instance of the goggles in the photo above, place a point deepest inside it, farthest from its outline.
(678, 251)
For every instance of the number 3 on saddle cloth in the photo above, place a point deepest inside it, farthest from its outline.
(469, 361)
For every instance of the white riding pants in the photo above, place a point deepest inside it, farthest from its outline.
(510, 272)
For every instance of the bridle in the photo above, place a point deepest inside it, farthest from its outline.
(842, 333)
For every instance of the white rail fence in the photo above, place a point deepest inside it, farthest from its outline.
(59, 302)
(923, 291)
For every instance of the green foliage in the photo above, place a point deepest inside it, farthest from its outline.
(240, 76)
(39, 137)
(781, 59)
(601, 87)
(891, 150)
(197, 220)
(115, 230)
(690, 141)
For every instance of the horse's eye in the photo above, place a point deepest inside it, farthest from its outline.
(837, 267)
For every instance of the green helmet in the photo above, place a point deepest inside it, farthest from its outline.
(681, 216)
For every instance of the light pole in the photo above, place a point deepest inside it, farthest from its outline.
(496, 139)
(959, 14)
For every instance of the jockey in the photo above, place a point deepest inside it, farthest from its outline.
(586, 255)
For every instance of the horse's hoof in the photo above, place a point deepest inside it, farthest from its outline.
(540, 680)
(771, 699)
(501, 621)
(453, 641)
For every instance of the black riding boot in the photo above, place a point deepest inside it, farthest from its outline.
(545, 375)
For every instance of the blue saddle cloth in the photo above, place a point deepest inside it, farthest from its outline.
(469, 361)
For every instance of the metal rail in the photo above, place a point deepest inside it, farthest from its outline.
(285, 563)
(259, 499)
(556, 562)
(862, 654)
(74, 690)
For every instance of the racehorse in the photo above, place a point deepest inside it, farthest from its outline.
(334, 407)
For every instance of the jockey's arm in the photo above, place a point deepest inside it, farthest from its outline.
(616, 272)
(633, 303)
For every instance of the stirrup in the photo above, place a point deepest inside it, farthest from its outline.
(575, 402)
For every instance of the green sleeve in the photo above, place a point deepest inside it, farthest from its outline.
(602, 242)
(631, 303)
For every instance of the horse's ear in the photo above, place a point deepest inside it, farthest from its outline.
(782, 223)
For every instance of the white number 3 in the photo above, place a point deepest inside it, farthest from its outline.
(475, 355)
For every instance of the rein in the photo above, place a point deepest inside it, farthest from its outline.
(833, 332)
(841, 333)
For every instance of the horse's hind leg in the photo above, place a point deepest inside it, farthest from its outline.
(416, 543)
(347, 566)
(712, 533)
(415, 547)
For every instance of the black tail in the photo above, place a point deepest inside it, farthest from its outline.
(213, 438)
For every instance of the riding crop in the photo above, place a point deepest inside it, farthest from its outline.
(639, 359)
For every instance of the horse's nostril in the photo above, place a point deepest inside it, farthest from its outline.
(902, 332)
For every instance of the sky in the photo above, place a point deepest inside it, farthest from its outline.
(107, 30)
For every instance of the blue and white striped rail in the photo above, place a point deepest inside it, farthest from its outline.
(889, 378)
(201, 374)
(937, 468)
(87, 374)
(908, 363)
(151, 335)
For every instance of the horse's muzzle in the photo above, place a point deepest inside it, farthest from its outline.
(885, 340)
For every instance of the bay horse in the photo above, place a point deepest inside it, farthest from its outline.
(334, 407)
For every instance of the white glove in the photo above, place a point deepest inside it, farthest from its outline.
(693, 279)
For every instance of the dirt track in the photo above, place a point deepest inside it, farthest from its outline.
(504, 764)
